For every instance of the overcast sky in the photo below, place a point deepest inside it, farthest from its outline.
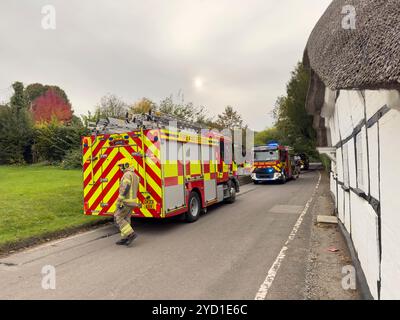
(217, 52)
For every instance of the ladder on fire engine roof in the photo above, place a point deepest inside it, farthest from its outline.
(141, 121)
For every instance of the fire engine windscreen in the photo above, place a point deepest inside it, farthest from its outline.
(271, 155)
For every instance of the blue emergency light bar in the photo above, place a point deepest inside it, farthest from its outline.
(273, 144)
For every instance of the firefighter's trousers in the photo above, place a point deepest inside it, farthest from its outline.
(122, 218)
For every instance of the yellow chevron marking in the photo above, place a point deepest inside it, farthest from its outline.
(150, 162)
(142, 172)
(97, 174)
(136, 166)
(154, 185)
(112, 173)
(87, 156)
(146, 212)
(110, 193)
(152, 147)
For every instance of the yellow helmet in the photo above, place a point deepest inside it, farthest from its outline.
(125, 163)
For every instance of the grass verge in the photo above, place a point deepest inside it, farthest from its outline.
(38, 202)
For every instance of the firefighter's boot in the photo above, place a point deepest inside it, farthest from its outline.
(121, 241)
(130, 238)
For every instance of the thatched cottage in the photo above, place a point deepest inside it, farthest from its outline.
(353, 56)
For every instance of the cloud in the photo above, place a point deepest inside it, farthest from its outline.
(243, 51)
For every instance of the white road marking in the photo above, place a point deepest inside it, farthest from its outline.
(266, 285)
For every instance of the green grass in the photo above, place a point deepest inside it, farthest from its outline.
(37, 200)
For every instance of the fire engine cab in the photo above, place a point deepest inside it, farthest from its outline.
(273, 162)
(182, 170)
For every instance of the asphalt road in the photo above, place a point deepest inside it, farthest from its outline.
(226, 254)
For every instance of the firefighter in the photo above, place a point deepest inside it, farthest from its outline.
(127, 200)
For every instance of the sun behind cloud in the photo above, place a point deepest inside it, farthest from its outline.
(198, 83)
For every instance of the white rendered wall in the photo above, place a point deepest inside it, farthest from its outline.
(381, 178)
(373, 161)
(389, 128)
(352, 164)
(378, 98)
(333, 185)
(350, 111)
(364, 236)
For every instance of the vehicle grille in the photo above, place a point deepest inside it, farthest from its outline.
(264, 176)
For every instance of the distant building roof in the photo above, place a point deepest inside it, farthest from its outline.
(367, 57)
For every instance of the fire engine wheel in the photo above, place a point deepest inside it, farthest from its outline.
(232, 192)
(194, 208)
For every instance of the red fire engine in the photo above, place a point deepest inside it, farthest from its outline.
(273, 162)
(182, 170)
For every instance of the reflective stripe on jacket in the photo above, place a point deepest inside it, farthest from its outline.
(128, 188)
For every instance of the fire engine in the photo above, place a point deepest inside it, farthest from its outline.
(182, 170)
(274, 162)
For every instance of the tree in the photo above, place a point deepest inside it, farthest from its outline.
(76, 122)
(144, 105)
(18, 101)
(111, 106)
(292, 120)
(184, 110)
(16, 128)
(16, 135)
(270, 134)
(35, 90)
(51, 104)
(230, 119)
(90, 117)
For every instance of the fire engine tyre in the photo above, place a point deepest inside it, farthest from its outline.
(194, 207)
(232, 192)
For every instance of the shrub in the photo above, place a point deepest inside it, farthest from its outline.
(326, 162)
(53, 141)
(16, 136)
(72, 160)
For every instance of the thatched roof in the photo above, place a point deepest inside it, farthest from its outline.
(365, 58)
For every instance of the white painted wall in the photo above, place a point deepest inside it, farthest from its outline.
(381, 178)
(389, 129)
(373, 160)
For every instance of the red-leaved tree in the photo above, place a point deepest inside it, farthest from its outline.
(51, 105)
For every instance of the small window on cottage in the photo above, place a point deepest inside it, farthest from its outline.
(346, 165)
(359, 159)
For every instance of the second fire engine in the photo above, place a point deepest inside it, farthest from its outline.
(274, 162)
